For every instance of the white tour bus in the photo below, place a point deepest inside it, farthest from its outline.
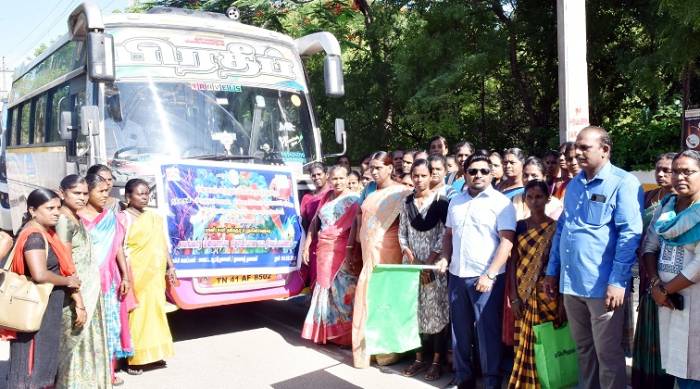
(126, 89)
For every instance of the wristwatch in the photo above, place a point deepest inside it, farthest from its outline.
(490, 276)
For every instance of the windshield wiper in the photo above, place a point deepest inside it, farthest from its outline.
(224, 157)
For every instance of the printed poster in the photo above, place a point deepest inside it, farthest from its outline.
(230, 218)
(691, 129)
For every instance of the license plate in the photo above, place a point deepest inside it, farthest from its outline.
(220, 281)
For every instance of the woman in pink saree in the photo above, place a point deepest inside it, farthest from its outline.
(107, 235)
(379, 238)
(330, 313)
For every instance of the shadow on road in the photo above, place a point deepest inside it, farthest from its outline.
(276, 315)
(286, 318)
(315, 379)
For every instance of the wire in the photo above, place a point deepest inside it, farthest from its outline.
(61, 16)
(18, 45)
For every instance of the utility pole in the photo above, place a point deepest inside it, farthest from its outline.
(2, 81)
(573, 68)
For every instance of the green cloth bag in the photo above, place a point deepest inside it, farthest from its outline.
(555, 356)
(392, 309)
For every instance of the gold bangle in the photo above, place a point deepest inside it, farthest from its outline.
(655, 281)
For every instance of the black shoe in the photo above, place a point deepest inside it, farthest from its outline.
(467, 384)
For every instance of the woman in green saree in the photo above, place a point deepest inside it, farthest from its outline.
(83, 358)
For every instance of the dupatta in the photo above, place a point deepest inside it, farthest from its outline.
(678, 229)
(65, 261)
(332, 242)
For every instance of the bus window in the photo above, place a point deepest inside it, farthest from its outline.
(11, 120)
(39, 119)
(58, 99)
(24, 123)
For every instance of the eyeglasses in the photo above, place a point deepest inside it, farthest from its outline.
(685, 173)
(472, 172)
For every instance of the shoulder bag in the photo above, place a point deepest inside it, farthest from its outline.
(22, 301)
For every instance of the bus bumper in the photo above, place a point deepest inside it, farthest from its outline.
(192, 293)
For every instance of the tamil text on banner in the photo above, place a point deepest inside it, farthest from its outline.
(230, 218)
(392, 309)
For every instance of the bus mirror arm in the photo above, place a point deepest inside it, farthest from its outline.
(340, 137)
(332, 65)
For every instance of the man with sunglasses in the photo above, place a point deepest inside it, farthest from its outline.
(591, 258)
(479, 234)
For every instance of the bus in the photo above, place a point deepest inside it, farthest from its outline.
(5, 218)
(137, 92)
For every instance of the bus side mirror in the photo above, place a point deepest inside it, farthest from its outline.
(100, 53)
(66, 128)
(340, 131)
(89, 120)
(333, 76)
(340, 137)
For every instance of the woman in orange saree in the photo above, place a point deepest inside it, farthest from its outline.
(379, 238)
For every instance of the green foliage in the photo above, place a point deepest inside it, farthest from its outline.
(486, 71)
(641, 135)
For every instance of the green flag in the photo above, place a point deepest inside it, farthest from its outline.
(392, 309)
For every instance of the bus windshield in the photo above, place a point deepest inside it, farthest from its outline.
(203, 120)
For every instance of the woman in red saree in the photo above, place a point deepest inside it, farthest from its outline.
(309, 206)
(330, 313)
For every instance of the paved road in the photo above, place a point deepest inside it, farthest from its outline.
(258, 345)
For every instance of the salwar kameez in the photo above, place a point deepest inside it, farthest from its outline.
(676, 240)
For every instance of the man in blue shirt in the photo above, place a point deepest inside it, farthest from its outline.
(592, 255)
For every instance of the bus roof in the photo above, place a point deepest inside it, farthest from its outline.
(175, 19)
(193, 21)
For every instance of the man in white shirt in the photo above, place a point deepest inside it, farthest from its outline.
(479, 235)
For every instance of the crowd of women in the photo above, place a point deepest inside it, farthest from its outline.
(109, 265)
(393, 210)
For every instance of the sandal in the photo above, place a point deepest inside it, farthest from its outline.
(434, 372)
(414, 368)
(159, 364)
(133, 371)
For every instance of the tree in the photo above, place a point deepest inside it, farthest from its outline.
(486, 70)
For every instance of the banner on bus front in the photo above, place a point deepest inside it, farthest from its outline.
(230, 218)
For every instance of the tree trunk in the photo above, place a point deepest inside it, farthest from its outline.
(515, 69)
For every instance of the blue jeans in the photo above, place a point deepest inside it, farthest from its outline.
(687, 384)
(469, 309)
